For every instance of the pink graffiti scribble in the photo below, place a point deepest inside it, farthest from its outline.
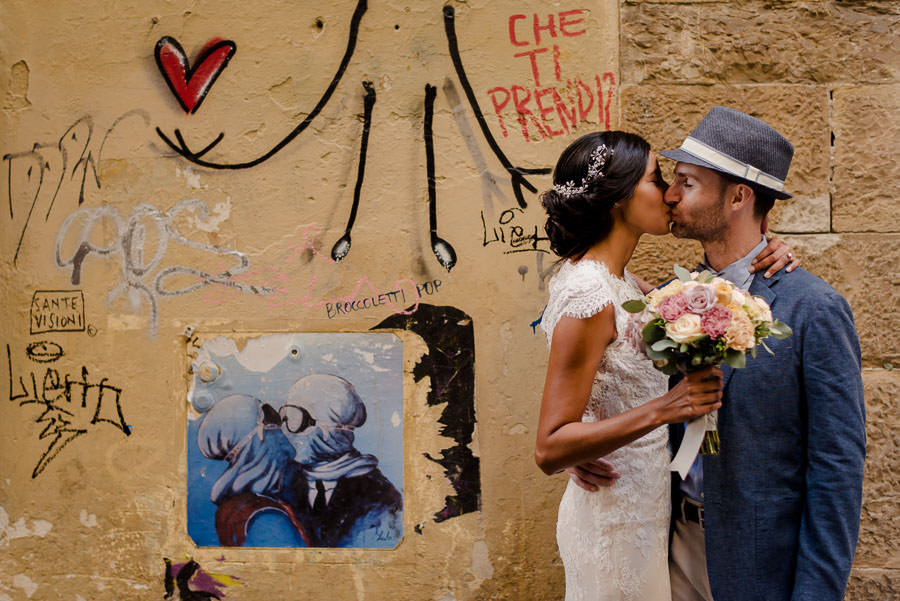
(278, 280)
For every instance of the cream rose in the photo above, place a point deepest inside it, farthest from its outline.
(684, 329)
(722, 289)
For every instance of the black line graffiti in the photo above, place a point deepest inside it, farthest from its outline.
(445, 254)
(195, 157)
(29, 169)
(516, 173)
(69, 406)
(342, 246)
(442, 249)
(57, 311)
(129, 243)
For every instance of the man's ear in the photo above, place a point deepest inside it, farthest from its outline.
(741, 197)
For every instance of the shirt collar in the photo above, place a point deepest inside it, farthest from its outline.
(738, 273)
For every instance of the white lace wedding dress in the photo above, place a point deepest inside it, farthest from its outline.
(614, 542)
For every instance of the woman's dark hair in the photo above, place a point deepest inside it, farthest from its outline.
(575, 222)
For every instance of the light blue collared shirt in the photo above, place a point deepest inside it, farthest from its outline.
(738, 273)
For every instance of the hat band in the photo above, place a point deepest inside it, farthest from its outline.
(730, 164)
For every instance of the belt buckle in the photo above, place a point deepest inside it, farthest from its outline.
(700, 520)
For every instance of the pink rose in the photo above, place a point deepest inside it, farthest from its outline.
(715, 321)
(699, 297)
(672, 307)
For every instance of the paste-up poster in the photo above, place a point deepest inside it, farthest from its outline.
(296, 440)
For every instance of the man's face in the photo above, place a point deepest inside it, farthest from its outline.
(696, 198)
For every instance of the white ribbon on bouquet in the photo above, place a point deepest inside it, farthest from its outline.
(690, 444)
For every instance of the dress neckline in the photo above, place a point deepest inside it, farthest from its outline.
(623, 278)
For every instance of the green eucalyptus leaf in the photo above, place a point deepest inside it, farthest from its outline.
(657, 355)
(653, 331)
(765, 346)
(780, 330)
(735, 359)
(661, 345)
(683, 274)
(634, 306)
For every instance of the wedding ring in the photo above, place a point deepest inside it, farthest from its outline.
(790, 256)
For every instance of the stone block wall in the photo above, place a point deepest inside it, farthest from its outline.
(826, 75)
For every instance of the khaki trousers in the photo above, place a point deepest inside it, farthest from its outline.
(687, 563)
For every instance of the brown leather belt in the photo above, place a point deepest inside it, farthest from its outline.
(691, 511)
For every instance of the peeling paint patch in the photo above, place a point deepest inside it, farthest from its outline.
(450, 364)
(86, 519)
(20, 529)
(210, 223)
(518, 429)
(25, 583)
(190, 176)
(481, 561)
(17, 92)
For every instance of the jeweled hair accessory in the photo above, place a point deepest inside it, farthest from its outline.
(599, 158)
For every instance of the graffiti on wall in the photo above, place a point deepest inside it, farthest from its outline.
(143, 277)
(450, 365)
(57, 311)
(190, 84)
(188, 581)
(64, 170)
(297, 441)
(546, 111)
(69, 406)
(442, 249)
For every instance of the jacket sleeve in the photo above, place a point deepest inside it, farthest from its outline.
(835, 450)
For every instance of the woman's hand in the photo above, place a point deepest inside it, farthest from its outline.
(698, 393)
(773, 257)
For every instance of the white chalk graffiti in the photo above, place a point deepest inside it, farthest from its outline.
(129, 242)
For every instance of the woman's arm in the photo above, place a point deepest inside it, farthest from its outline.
(576, 350)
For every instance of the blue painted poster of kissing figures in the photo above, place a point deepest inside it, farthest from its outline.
(296, 440)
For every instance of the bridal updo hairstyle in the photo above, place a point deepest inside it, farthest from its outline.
(577, 221)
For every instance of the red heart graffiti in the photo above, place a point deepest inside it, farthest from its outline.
(190, 84)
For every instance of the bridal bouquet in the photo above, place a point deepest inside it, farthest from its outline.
(700, 319)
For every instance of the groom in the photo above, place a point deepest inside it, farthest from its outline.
(775, 515)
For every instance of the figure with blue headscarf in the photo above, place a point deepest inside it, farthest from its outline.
(246, 433)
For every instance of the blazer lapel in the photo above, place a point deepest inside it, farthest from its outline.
(760, 286)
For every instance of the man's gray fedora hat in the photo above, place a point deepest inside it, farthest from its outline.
(734, 143)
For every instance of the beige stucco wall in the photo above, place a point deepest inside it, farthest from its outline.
(82, 98)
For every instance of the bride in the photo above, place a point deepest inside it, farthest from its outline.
(601, 397)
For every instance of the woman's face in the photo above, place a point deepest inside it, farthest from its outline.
(645, 211)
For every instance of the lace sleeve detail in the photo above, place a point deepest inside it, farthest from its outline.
(579, 291)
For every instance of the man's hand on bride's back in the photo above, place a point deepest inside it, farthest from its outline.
(591, 475)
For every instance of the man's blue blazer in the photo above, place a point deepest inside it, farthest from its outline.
(783, 498)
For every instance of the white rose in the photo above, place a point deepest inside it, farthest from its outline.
(685, 329)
